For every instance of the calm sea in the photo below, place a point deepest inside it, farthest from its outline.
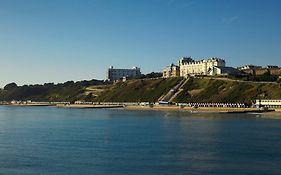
(49, 140)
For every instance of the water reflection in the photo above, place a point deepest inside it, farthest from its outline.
(75, 141)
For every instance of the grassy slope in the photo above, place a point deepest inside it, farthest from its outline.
(211, 90)
(68, 91)
(43, 94)
(138, 90)
(195, 90)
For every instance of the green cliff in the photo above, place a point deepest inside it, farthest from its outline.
(227, 91)
(146, 90)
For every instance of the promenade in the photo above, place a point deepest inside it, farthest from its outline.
(192, 107)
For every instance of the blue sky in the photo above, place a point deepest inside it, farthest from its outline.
(59, 40)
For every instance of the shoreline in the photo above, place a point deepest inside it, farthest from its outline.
(203, 109)
(156, 107)
(28, 105)
(84, 106)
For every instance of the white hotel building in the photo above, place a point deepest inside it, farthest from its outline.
(190, 67)
(117, 74)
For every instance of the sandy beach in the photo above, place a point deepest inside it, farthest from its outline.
(81, 106)
(31, 104)
(275, 112)
(203, 109)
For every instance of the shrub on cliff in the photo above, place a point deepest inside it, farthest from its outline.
(10, 86)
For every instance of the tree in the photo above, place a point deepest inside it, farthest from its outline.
(10, 86)
(89, 97)
(153, 75)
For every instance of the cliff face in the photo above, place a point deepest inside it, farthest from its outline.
(68, 91)
(148, 90)
(194, 90)
(227, 91)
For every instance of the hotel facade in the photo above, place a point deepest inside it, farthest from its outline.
(187, 67)
(171, 71)
(114, 74)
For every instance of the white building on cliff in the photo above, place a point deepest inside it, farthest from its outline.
(188, 66)
(114, 74)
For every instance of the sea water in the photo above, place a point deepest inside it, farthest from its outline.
(50, 140)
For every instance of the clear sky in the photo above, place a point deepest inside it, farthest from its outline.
(59, 40)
